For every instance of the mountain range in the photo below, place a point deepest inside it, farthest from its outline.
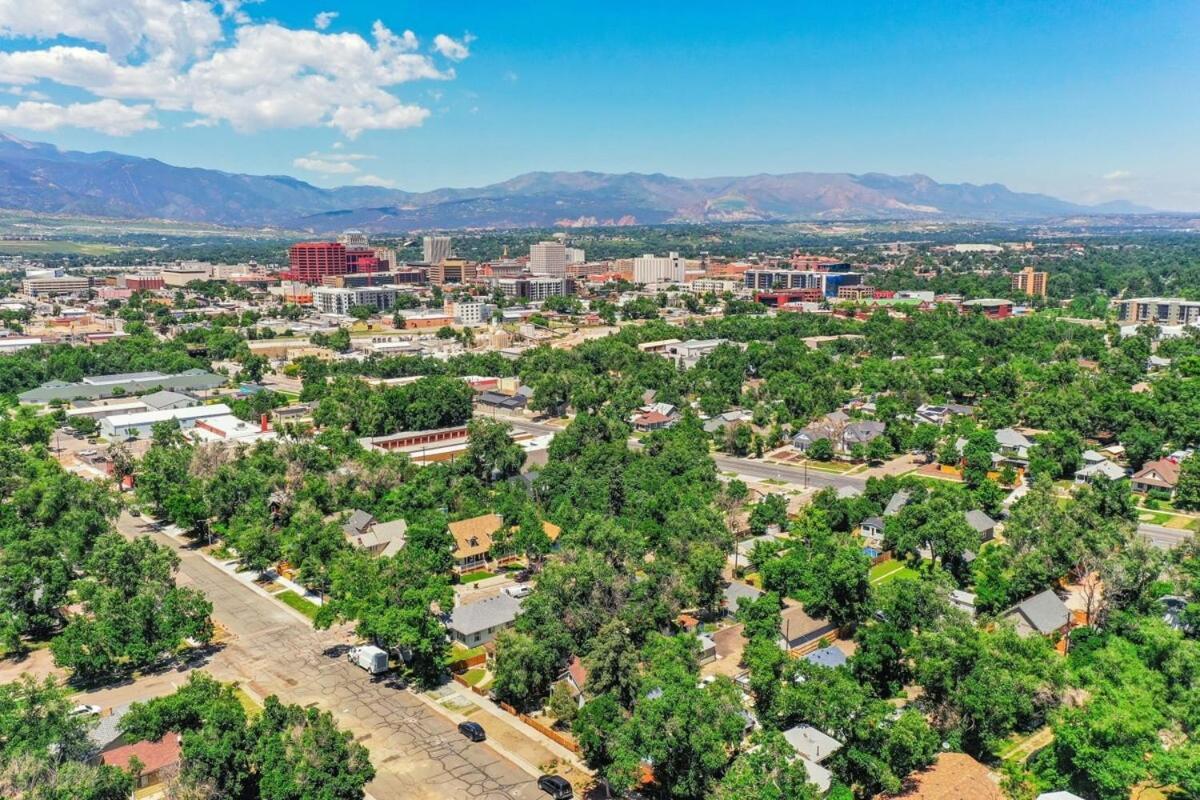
(41, 178)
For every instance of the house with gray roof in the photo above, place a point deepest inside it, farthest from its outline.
(899, 500)
(737, 591)
(383, 539)
(1013, 445)
(1043, 613)
(984, 525)
(473, 624)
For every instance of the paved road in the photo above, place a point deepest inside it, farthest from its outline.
(418, 753)
(1164, 538)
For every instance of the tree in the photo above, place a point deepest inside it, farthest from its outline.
(491, 454)
(820, 450)
(612, 664)
(1187, 492)
(769, 770)
(36, 720)
(561, 704)
(254, 367)
(525, 668)
(595, 728)
(879, 449)
(362, 313)
(771, 510)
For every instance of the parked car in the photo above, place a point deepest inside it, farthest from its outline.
(518, 590)
(556, 786)
(85, 710)
(472, 730)
(135, 512)
(523, 575)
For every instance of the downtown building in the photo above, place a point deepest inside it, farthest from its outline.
(335, 300)
(548, 258)
(651, 269)
(1030, 282)
(826, 283)
(534, 287)
(435, 249)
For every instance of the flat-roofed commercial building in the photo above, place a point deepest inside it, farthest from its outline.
(58, 284)
(140, 425)
(129, 383)
(1163, 310)
(330, 300)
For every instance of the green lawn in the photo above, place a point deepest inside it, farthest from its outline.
(890, 570)
(1155, 517)
(474, 676)
(480, 575)
(305, 607)
(459, 652)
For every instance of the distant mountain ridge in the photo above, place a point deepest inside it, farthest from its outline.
(41, 178)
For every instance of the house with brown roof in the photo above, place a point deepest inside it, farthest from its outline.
(954, 776)
(473, 540)
(797, 630)
(475, 537)
(159, 760)
(1161, 475)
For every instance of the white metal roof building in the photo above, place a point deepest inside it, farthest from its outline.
(136, 426)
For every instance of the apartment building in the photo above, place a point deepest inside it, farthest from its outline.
(1162, 310)
(452, 270)
(334, 300)
(435, 249)
(1030, 282)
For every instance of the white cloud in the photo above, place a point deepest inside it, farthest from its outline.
(105, 116)
(324, 166)
(452, 49)
(177, 56)
(1117, 175)
(322, 20)
(375, 180)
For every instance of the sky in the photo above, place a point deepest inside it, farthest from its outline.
(1088, 101)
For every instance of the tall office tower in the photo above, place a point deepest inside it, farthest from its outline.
(651, 269)
(311, 261)
(435, 249)
(548, 258)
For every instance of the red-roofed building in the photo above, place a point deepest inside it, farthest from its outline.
(652, 421)
(159, 760)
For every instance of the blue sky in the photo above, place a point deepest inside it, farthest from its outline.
(1089, 101)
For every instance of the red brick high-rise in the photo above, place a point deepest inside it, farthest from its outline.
(311, 261)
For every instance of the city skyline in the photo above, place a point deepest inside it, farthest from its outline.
(1077, 101)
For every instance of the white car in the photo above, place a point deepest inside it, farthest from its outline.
(85, 710)
(518, 590)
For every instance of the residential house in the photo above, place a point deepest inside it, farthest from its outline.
(737, 591)
(871, 531)
(474, 624)
(473, 541)
(723, 421)
(575, 676)
(897, 502)
(1157, 476)
(861, 432)
(941, 414)
(984, 525)
(953, 776)
(1013, 446)
(813, 747)
(159, 759)
(653, 421)
(963, 601)
(385, 539)
(1043, 613)
(1102, 469)
(828, 427)
(708, 648)
(797, 629)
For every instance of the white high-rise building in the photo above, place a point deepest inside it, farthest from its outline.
(548, 258)
(575, 255)
(435, 249)
(354, 240)
(651, 269)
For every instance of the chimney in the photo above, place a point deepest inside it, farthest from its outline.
(264, 423)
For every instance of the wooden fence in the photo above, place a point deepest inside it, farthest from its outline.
(543, 729)
(464, 664)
